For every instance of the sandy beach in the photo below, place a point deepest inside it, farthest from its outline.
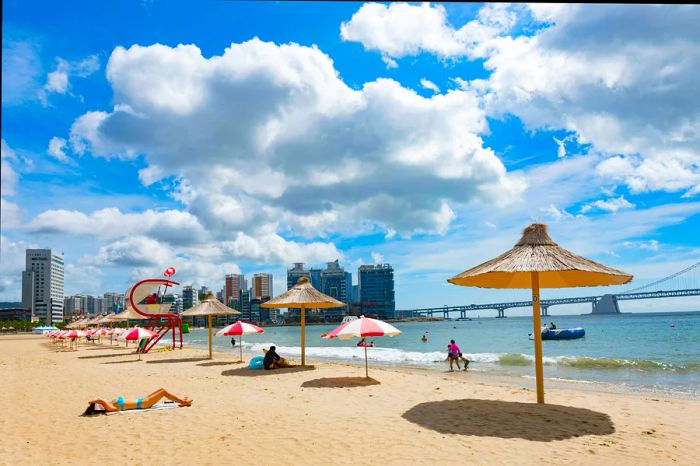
(326, 415)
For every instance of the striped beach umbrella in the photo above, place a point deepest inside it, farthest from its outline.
(137, 333)
(239, 328)
(362, 328)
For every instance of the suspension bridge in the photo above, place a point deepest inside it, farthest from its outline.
(683, 283)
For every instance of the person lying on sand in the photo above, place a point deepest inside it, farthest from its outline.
(100, 406)
(274, 361)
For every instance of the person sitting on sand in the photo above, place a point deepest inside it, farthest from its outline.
(274, 361)
(364, 343)
(101, 406)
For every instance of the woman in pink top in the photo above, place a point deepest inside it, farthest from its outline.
(453, 354)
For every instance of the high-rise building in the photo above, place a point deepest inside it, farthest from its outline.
(316, 277)
(244, 306)
(233, 284)
(376, 290)
(72, 307)
(92, 305)
(111, 302)
(190, 297)
(336, 282)
(203, 293)
(295, 273)
(262, 285)
(42, 284)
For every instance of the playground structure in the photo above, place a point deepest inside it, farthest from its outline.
(146, 299)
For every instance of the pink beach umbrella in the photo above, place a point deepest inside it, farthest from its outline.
(362, 328)
(137, 333)
(74, 335)
(239, 328)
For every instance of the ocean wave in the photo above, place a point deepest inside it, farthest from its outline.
(481, 360)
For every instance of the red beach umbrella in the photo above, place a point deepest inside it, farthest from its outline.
(137, 333)
(239, 328)
(362, 328)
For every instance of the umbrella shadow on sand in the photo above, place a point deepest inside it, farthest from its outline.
(340, 382)
(246, 372)
(175, 361)
(99, 356)
(219, 363)
(507, 419)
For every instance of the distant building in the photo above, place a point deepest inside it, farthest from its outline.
(42, 284)
(336, 282)
(112, 302)
(295, 273)
(244, 307)
(91, 305)
(72, 306)
(316, 277)
(262, 285)
(190, 297)
(233, 284)
(376, 290)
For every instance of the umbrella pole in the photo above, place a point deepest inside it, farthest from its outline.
(209, 336)
(240, 347)
(537, 333)
(366, 370)
(303, 338)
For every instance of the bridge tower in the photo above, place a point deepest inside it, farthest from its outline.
(501, 312)
(545, 311)
(606, 305)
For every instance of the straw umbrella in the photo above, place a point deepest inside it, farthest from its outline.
(303, 295)
(209, 307)
(535, 262)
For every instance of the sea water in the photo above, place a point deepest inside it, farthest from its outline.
(659, 352)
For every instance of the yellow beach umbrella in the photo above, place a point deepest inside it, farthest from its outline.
(303, 295)
(209, 307)
(535, 262)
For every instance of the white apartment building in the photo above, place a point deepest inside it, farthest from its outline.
(42, 285)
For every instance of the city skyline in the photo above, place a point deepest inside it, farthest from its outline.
(363, 147)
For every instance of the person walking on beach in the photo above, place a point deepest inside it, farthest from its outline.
(233, 341)
(453, 352)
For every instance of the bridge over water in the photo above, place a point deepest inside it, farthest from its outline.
(683, 283)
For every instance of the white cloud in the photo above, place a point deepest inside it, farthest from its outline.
(592, 72)
(389, 62)
(56, 149)
(10, 214)
(172, 226)
(302, 147)
(134, 251)
(427, 84)
(58, 80)
(377, 258)
(21, 69)
(12, 262)
(8, 176)
(608, 205)
(401, 29)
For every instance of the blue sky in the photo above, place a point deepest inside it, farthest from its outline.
(235, 136)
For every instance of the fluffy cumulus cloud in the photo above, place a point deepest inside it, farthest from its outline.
(56, 149)
(58, 80)
(12, 262)
(431, 86)
(619, 77)
(402, 29)
(267, 138)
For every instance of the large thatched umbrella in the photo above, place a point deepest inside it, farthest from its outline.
(538, 262)
(210, 306)
(303, 295)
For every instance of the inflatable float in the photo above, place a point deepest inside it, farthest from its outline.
(256, 362)
(563, 334)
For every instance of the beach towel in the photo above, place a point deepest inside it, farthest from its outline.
(157, 406)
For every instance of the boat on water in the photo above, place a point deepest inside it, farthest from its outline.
(562, 333)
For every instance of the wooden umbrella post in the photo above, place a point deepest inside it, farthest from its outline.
(209, 336)
(537, 333)
(303, 338)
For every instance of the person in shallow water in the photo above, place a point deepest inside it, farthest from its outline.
(233, 341)
(101, 406)
(364, 343)
(424, 338)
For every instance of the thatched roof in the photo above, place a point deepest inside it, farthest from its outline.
(537, 252)
(303, 294)
(210, 306)
(77, 323)
(128, 314)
